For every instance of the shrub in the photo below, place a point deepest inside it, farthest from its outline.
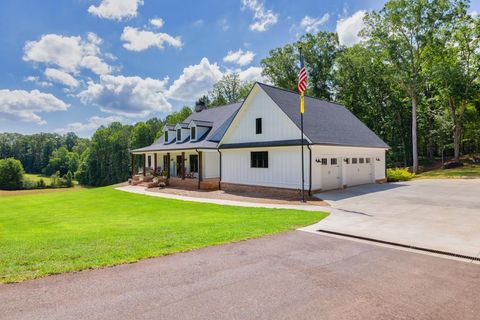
(11, 174)
(41, 184)
(68, 179)
(399, 174)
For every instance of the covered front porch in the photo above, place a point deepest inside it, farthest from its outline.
(187, 169)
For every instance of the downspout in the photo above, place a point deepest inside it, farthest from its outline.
(199, 167)
(220, 181)
(310, 172)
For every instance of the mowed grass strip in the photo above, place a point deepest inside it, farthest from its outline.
(468, 171)
(52, 233)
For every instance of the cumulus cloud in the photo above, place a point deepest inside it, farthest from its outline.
(349, 27)
(69, 54)
(88, 127)
(139, 40)
(127, 96)
(21, 105)
(61, 77)
(251, 74)
(263, 19)
(157, 22)
(116, 9)
(311, 25)
(195, 81)
(239, 57)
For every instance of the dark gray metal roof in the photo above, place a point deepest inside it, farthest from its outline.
(325, 122)
(220, 119)
(203, 123)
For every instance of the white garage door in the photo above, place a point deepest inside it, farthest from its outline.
(331, 173)
(359, 171)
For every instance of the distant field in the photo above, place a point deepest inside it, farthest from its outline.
(37, 177)
(471, 171)
(75, 229)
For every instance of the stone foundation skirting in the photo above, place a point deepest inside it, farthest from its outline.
(233, 187)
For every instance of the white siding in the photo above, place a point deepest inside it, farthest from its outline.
(211, 164)
(275, 123)
(284, 168)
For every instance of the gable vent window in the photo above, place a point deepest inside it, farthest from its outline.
(259, 159)
(179, 134)
(258, 125)
(166, 136)
(193, 133)
(354, 160)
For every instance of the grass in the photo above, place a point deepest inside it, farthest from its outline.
(467, 171)
(42, 234)
(36, 177)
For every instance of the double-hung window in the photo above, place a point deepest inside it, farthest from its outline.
(166, 136)
(259, 159)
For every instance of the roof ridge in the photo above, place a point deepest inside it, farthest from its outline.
(291, 91)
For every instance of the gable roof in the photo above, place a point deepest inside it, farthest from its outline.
(218, 118)
(325, 122)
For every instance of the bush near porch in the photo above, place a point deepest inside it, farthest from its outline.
(58, 232)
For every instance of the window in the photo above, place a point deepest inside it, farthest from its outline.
(333, 161)
(354, 160)
(347, 160)
(193, 133)
(193, 162)
(367, 160)
(179, 134)
(166, 136)
(324, 161)
(149, 161)
(258, 125)
(361, 160)
(259, 159)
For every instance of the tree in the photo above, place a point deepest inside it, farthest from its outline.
(11, 174)
(63, 161)
(405, 29)
(281, 67)
(229, 89)
(178, 116)
(141, 135)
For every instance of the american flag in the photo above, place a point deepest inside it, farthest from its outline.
(302, 76)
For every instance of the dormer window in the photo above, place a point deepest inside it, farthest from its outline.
(166, 136)
(179, 134)
(193, 133)
(258, 125)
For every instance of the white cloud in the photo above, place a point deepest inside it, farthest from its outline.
(127, 96)
(157, 22)
(348, 28)
(88, 127)
(139, 40)
(474, 13)
(251, 74)
(36, 81)
(69, 54)
(116, 9)
(262, 19)
(312, 25)
(195, 81)
(21, 105)
(239, 57)
(223, 24)
(58, 76)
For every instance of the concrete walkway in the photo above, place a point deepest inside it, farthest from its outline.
(144, 191)
(434, 214)
(294, 275)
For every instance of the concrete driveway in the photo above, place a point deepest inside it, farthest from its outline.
(435, 214)
(294, 275)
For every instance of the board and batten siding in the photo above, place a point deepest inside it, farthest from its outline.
(284, 168)
(211, 164)
(276, 125)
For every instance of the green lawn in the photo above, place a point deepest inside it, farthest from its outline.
(470, 171)
(49, 233)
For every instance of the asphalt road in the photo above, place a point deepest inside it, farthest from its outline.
(295, 275)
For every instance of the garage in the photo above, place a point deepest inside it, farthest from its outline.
(331, 173)
(359, 170)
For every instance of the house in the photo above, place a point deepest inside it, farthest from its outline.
(257, 144)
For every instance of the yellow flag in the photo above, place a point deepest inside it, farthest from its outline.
(302, 103)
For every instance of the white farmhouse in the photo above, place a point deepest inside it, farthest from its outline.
(256, 144)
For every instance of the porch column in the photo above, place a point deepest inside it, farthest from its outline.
(144, 158)
(182, 166)
(168, 165)
(132, 157)
(155, 162)
(200, 174)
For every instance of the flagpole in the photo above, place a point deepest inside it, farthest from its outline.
(301, 139)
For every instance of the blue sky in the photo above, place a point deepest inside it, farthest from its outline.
(74, 65)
